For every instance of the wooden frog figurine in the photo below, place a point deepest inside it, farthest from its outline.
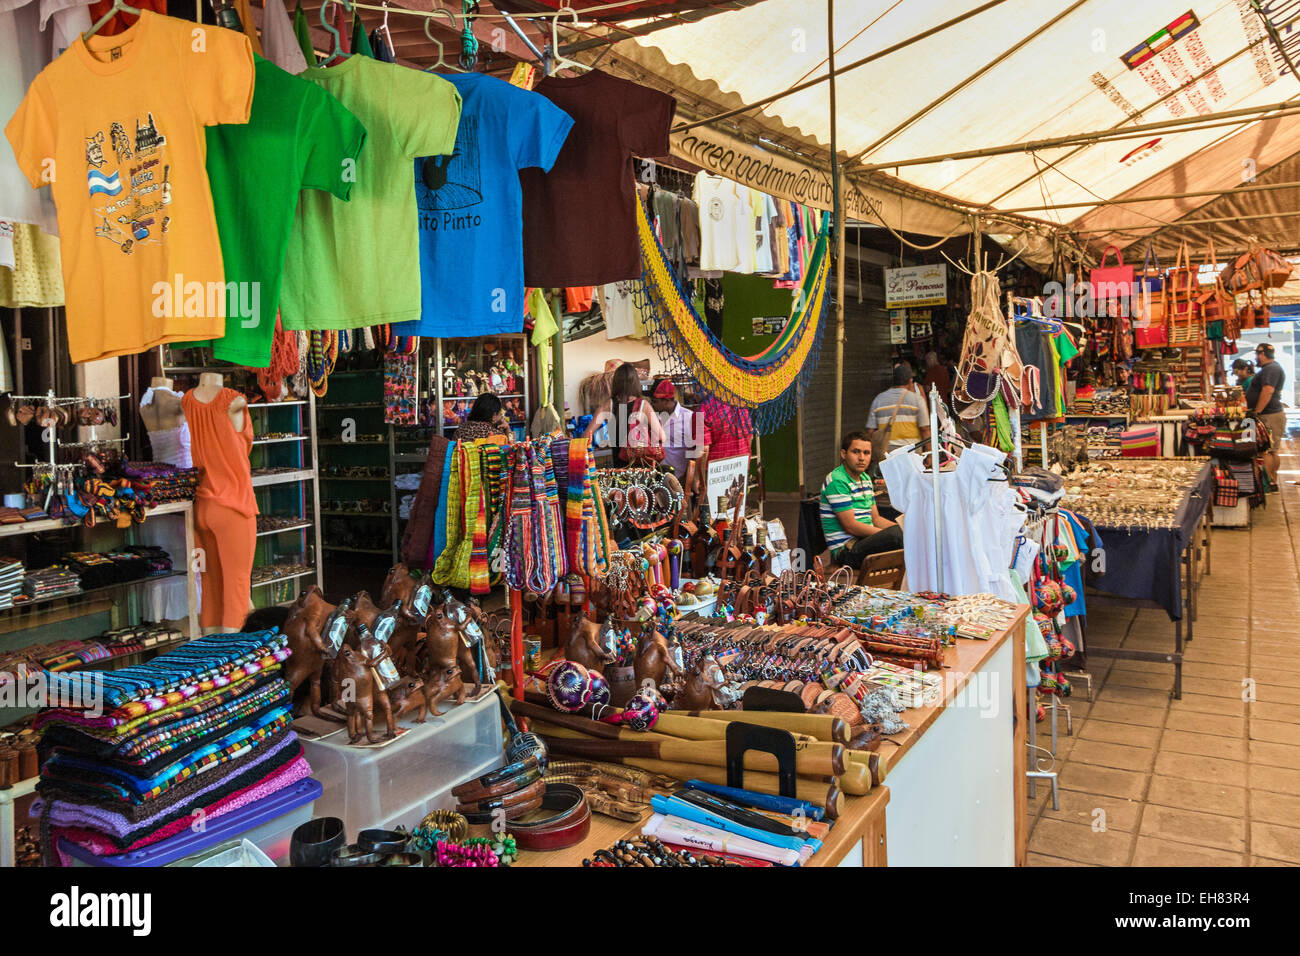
(354, 678)
(703, 688)
(654, 660)
(308, 654)
(439, 666)
(398, 586)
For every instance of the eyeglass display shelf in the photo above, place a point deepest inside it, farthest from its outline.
(57, 524)
(40, 602)
(339, 547)
(357, 514)
(292, 527)
(283, 577)
(283, 478)
(356, 477)
(274, 441)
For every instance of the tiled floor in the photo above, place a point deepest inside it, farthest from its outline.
(1212, 779)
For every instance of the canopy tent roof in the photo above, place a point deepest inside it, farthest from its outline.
(986, 75)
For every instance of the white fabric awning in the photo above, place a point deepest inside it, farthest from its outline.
(1022, 71)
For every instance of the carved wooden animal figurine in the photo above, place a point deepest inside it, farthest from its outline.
(364, 611)
(439, 667)
(303, 628)
(702, 688)
(404, 638)
(398, 586)
(357, 694)
(653, 659)
(466, 619)
(583, 645)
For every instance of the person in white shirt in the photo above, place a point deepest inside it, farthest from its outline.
(684, 435)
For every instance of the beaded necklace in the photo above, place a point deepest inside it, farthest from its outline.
(322, 355)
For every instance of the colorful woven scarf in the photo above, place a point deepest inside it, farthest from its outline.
(444, 570)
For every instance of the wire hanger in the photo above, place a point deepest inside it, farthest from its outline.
(552, 61)
(118, 7)
(442, 63)
(337, 52)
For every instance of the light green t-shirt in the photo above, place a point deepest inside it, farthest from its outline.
(357, 263)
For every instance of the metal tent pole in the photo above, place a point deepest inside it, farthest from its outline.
(837, 214)
(934, 468)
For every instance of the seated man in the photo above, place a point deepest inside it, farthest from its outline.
(852, 523)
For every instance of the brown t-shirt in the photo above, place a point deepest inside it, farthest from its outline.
(580, 218)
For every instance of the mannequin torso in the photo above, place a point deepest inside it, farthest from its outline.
(209, 387)
(163, 411)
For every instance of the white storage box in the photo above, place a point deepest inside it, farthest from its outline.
(396, 785)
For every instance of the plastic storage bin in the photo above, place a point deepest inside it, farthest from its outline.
(267, 824)
(398, 784)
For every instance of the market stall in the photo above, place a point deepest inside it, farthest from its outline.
(1154, 519)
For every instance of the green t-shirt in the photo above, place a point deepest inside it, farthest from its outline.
(297, 137)
(840, 492)
(358, 263)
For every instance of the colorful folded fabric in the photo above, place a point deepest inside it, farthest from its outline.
(125, 786)
(183, 797)
(207, 658)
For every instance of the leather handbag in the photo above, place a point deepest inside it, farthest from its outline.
(1185, 324)
(1274, 270)
(1215, 302)
(1150, 298)
(1242, 274)
(1108, 282)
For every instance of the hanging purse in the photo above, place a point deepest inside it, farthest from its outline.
(1274, 270)
(1185, 326)
(1150, 298)
(1216, 305)
(1111, 282)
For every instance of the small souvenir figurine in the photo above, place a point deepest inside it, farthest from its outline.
(471, 384)
(498, 380)
(448, 381)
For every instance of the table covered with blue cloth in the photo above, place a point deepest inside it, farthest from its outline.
(1146, 563)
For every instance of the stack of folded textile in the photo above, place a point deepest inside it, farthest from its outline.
(158, 482)
(203, 728)
(51, 583)
(11, 580)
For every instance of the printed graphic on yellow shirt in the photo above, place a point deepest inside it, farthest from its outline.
(128, 201)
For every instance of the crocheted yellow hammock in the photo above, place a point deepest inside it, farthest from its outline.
(769, 384)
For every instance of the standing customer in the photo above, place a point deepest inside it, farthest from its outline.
(937, 375)
(1244, 371)
(634, 427)
(1264, 399)
(901, 412)
(683, 432)
(851, 522)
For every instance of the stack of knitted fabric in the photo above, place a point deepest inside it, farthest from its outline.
(203, 728)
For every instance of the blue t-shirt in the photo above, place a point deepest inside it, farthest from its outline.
(470, 207)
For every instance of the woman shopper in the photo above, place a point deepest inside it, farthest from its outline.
(635, 432)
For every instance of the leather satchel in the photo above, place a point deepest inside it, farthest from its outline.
(1274, 270)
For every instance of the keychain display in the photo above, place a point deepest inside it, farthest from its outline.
(642, 497)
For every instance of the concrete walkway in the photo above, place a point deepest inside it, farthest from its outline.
(1212, 779)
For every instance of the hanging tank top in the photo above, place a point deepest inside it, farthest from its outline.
(221, 452)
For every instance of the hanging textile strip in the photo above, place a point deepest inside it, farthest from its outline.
(518, 543)
(476, 531)
(599, 529)
(770, 383)
(444, 571)
(549, 563)
(495, 479)
(322, 355)
(576, 493)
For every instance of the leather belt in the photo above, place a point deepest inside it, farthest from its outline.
(515, 803)
(567, 823)
(507, 779)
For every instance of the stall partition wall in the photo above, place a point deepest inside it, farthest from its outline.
(957, 798)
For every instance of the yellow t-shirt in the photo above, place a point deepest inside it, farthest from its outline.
(115, 127)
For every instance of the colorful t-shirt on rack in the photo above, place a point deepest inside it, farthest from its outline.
(298, 137)
(357, 263)
(115, 126)
(580, 218)
(470, 205)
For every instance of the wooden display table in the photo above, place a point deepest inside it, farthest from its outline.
(955, 784)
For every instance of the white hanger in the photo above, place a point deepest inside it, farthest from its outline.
(553, 61)
(118, 7)
(384, 27)
(442, 63)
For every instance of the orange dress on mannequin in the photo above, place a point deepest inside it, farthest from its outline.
(225, 509)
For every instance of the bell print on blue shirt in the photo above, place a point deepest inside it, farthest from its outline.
(447, 188)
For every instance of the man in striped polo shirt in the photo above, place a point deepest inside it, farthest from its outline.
(851, 521)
